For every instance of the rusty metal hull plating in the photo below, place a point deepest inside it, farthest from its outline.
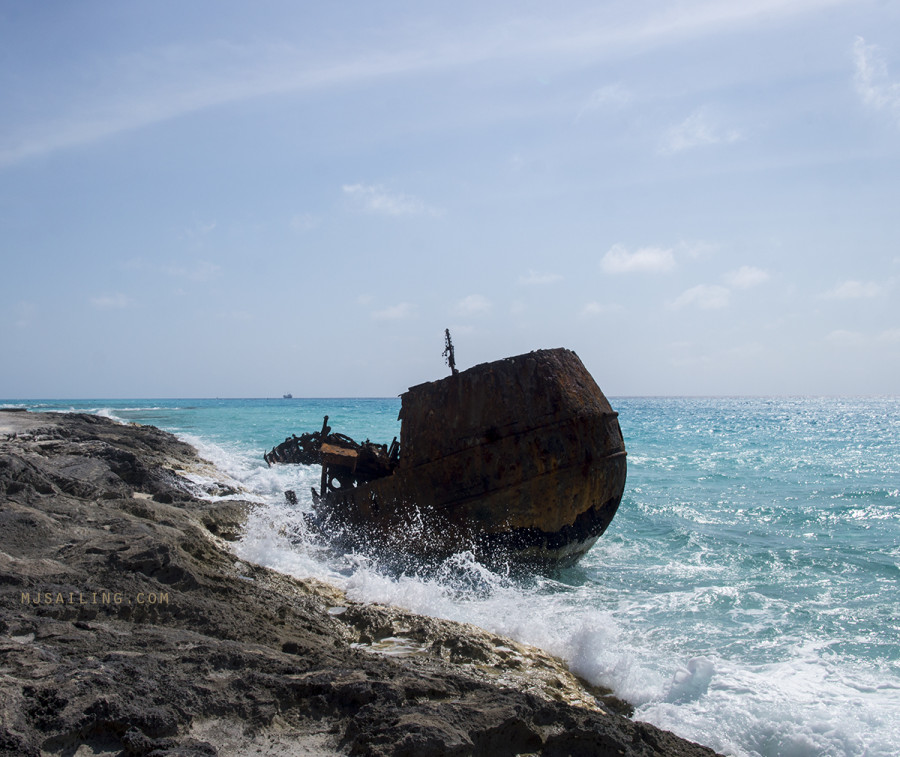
(522, 458)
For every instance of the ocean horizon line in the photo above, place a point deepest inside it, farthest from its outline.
(24, 400)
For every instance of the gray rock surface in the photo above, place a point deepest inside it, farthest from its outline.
(128, 627)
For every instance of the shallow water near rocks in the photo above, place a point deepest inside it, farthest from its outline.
(745, 595)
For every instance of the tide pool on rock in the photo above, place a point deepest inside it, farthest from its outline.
(745, 596)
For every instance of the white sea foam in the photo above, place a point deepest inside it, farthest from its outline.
(803, 706)
(113, 414)
(766, 688)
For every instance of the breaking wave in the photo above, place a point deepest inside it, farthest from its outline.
(744, 596)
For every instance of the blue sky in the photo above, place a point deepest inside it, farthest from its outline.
(232, 199)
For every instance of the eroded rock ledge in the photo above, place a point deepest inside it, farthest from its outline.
(128, 627)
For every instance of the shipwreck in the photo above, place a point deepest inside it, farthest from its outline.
(519, 459)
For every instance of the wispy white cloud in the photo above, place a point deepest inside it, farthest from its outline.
(111, 301)
(643, 260)
(696, 249)
(855, 290)
(396, 312)
(604, 31)
(474, 304)
(536, 278)
(600, 308)
(716, 296)
(850, 338)
(872, 80)
(199, 230)
(698, 129)
(704, 296)
(845, 336)
(304, 221)
(156, 85)
(746, 277)
(375, 198)
(612, 97)
(170, 82)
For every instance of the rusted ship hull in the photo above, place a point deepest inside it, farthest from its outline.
(512, 497)
(519, 459)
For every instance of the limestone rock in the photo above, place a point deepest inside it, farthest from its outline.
(128, 627)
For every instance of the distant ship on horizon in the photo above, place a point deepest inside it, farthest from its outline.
(287, 396)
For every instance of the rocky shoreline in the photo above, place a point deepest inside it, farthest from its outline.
(128, 627)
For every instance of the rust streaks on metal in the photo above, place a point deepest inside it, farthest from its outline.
(523, 454)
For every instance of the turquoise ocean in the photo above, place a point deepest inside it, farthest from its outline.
(746, 595)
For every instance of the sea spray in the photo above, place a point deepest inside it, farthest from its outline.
(745, 595)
